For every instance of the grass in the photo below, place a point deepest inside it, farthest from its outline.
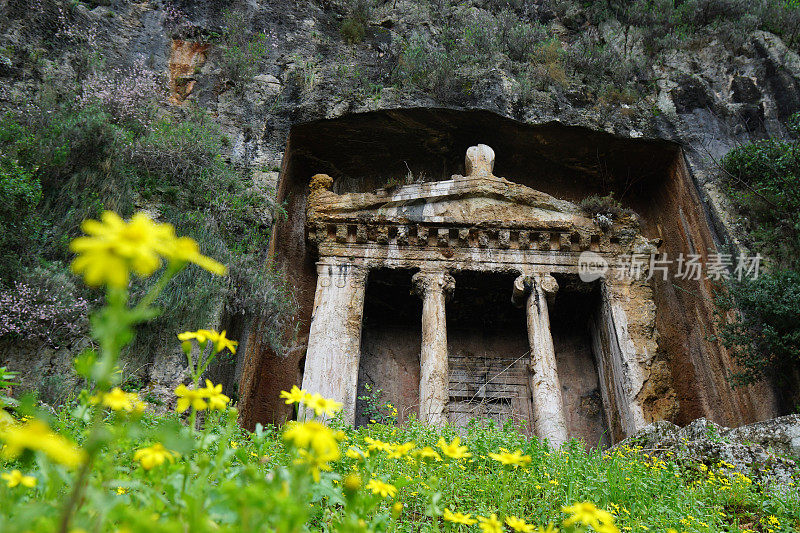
(228, 479)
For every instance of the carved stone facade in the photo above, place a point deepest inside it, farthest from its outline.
(484, 225)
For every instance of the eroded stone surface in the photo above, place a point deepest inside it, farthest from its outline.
(765, 451)
(434, 287)
(548, 404)
(334, 347)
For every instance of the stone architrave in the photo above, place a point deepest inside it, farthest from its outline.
(334, 344)
(548, 406)
(434, 288)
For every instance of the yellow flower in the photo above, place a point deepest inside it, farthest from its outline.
(514, 459)
(204, 335)
(113, 247)
(399, 450)
(221, 342)
(15, 478)
(315, 463)
(588, 514)
(119, 400)
(216, 400)
(459, 518)
(121, 490)
(322, 405)
(490, 524)
(201, 335)
(313, 436)
(454, 449)
(375, 444)
(153, 456)
(379, 487)
(354, 452)
(35, 435)
(185, 250)
(190, 397)
(428, 453)
(352, 483)
(296, 395)
(518, 524)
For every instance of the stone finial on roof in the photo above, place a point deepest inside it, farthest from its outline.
(479, 161)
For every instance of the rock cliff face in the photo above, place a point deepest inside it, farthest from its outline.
(314, 103)
(766, 451)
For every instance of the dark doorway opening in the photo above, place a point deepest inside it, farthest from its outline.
(390, 346)
(575, 304)
(488, 352)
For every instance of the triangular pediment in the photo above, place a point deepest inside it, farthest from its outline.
(470, 200)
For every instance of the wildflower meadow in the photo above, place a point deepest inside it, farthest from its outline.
(105, 462)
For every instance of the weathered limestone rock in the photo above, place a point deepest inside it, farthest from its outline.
(434, 287)
(765, 451)
(184, 59)
(548, 406)
(334, 345)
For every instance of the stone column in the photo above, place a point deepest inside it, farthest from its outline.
(334, 342)
(434, 287)
(548, 408)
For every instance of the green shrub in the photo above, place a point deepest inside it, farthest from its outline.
(88, 161)
(605, 205)
(517, 38)
(764, 336)
(20, 193)
(665, 24)
(353, 31)
(256, 290)
(354, 25)
(242, 50)
(762, 180)
(438, 70)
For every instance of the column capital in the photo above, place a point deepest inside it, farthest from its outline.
(341, 274)
(525, 283)
(427, 281)
(547, 282)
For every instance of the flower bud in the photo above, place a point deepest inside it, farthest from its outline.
(352, 483)
(397, 508)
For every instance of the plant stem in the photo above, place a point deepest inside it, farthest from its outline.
(77, 491)
(172, 269)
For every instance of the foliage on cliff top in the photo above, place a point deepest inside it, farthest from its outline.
(610, 47)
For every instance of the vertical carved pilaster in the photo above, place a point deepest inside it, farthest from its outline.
(548, 407)
(434, 287)
(334, 343)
